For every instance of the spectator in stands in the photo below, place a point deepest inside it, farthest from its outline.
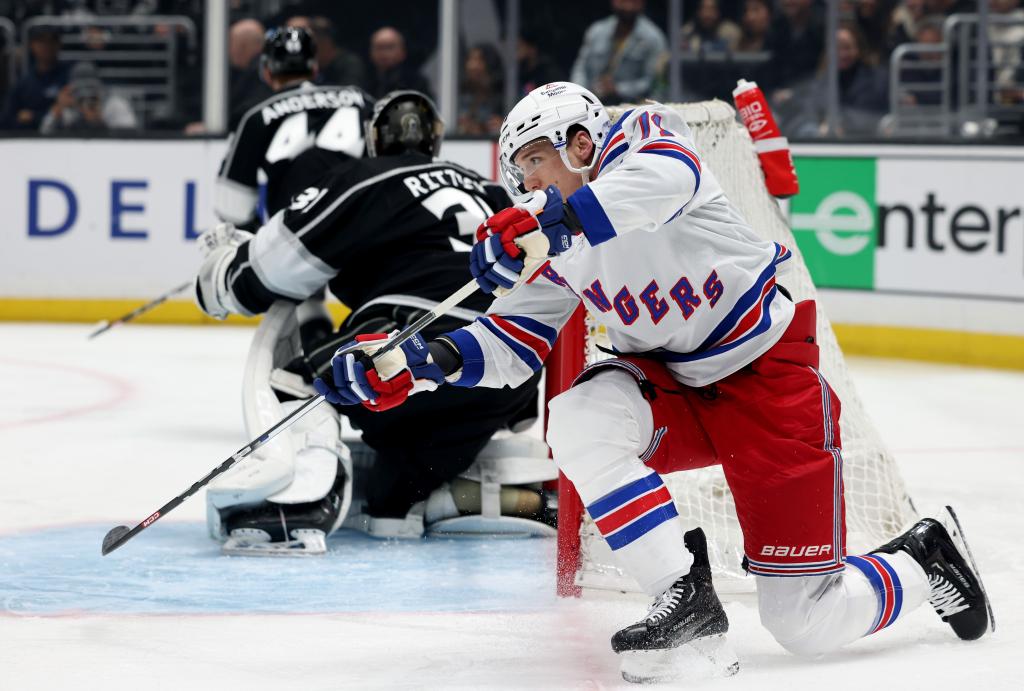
(863, 89)
(621, 55)
(481, 92)
(755, 48)
(873, 19)
(245, 88)
(85, 104)
(905, 19)
(948, 7)
(336, 65)
(709, 31)
(6, 56)
(536, 68)
(391, 71)
(799, 41)
(33, 95)
(926, 78)
(755, 27)
(1007, 46)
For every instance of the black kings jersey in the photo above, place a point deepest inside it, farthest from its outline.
(390, 230)
(289, 136)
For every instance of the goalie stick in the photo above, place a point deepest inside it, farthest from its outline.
(107, 325)
(122, 533)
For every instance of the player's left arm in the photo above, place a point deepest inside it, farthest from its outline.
(292, 256)
(646, 175)
(503, 348)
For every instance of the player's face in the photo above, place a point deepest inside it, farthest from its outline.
(542, 165)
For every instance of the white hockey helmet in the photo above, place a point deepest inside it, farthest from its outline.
(548, 112)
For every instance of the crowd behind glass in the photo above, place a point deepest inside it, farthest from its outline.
(620, 49)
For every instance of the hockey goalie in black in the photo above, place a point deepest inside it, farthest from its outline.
(294, 136)
(387, 235)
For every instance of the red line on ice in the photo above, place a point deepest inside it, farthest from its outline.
(122, 390)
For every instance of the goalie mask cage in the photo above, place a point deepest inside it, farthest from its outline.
(877, 505)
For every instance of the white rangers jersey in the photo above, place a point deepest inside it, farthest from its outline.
(665, 262)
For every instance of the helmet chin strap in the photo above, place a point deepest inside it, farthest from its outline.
(582, 171)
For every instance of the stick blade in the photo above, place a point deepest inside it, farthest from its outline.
(114, 538)
(99, 328)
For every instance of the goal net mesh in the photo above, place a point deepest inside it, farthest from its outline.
(877, 504)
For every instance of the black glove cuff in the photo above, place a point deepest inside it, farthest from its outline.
(446, 355)
(572, 221)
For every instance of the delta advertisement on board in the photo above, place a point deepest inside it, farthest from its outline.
(936, 225)
(118, 219)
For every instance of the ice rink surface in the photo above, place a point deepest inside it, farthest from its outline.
(98, 433)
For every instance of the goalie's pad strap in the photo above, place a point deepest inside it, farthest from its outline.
(483, 526)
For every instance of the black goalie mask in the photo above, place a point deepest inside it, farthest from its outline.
(404, 121)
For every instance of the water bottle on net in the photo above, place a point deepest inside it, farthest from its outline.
(772, 148)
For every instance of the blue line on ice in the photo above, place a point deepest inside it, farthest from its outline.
(175, 569)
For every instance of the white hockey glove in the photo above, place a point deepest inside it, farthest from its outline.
(218, 247)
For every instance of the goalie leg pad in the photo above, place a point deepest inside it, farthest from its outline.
(303, 476)
(500, 495)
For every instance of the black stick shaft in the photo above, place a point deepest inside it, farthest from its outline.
(141, 310)
(243, 452)
(112, 543)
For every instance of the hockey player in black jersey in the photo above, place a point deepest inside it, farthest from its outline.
(294, 136)
(384, 234)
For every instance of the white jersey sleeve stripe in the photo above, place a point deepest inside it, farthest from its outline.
(283, 264)
(523, 351)
(234, 201)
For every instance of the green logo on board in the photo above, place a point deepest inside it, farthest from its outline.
(833, 219)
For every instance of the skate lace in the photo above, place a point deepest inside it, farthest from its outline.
(945, 597)
(664, 604)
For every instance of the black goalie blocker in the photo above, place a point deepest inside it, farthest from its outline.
(288, 50)
(404, 121)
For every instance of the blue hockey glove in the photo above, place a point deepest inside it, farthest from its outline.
(383, 383)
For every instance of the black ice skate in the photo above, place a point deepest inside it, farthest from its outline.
(683, 634)
(273, 530)
(957, 593)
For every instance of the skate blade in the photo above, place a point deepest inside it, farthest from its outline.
(244, 543)
(953, 527)
(710, 657)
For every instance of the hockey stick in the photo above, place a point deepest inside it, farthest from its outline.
(106, 326)
(122, 533)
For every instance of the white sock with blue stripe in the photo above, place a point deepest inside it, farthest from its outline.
(641, 525)
(898, 582)
(597, 432)
(815, 615)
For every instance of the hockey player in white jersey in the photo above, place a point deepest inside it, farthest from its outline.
(715, 364)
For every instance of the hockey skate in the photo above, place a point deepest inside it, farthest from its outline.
(683, 634)
(277, 530)
(957, 593)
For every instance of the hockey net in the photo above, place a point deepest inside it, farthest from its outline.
(877, 505)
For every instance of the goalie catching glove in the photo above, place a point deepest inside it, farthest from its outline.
(218, 246)
(512, 244)
(383, 383)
